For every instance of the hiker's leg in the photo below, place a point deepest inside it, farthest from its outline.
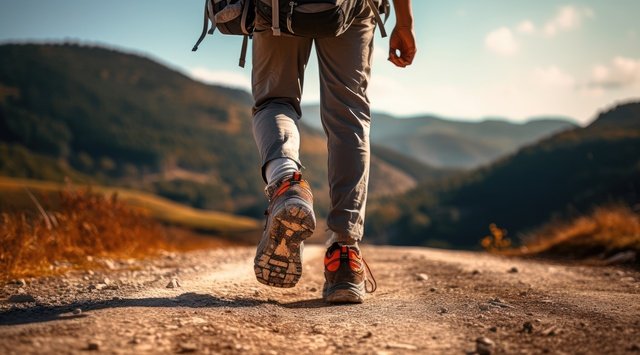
(277, 79)
(345, 65)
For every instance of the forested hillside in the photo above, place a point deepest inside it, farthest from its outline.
(561, 176)
(123, 119)
(97, 115)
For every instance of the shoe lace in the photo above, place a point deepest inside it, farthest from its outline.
(369, 280)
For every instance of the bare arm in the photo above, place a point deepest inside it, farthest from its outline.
(402, 44)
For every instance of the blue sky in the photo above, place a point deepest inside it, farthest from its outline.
(475, 59)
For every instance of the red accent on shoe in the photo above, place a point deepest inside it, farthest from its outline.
(355, 261)
(296, 178)
(332, 260)
(351, 256)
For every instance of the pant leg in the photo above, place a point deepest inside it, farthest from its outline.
(277, 79)
(345, 67)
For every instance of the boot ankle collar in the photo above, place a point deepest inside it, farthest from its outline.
(276, 188)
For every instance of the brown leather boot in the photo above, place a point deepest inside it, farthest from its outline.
(345, 273)
(290, 220)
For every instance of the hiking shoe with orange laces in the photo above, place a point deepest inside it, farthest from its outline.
(289, 221)
(345, 273)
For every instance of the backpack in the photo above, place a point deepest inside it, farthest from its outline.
(231, 17)
(315, 18)
(305, 18)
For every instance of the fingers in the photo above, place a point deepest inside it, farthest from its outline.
(397, 60)
(408, 55)
(404, 59)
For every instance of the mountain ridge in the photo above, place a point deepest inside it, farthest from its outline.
(452, 143)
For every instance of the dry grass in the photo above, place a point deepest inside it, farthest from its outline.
(85, 226)
(12, 189)
(607, 230)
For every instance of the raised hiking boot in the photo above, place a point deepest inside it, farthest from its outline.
(289, 221)
(345, 273)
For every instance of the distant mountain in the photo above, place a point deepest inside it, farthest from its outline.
(99, 115)
(566, 174)
(448, 143)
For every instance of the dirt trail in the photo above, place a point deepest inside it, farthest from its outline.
(220, 308)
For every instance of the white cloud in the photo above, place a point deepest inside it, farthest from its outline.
(526, 27)
(567, 18)
(395, 95)
(621, 72)
(502, 41)
(600, 73)
(221, 77)
(553, 76)
(592, 92)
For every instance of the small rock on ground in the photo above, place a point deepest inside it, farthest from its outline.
(98, 287)
(174, 283)
(551, 331)
(401, 346)
(19, 283)
(109, 264)
(621, 258)
(93, 345)
(188, 348)
(484, 346)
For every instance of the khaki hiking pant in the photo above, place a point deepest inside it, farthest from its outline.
(345, 67)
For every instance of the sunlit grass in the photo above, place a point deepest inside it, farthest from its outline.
(49, 228)
(159, 208)
(85, 226)
(605, 231)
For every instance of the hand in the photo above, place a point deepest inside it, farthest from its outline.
(402, 40)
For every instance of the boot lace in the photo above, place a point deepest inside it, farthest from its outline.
(370, 282)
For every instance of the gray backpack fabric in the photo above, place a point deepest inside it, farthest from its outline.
(305, 18)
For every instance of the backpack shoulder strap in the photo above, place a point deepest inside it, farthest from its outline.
(243, 51)
(205, 27)
(376, 13)
(275, 17)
